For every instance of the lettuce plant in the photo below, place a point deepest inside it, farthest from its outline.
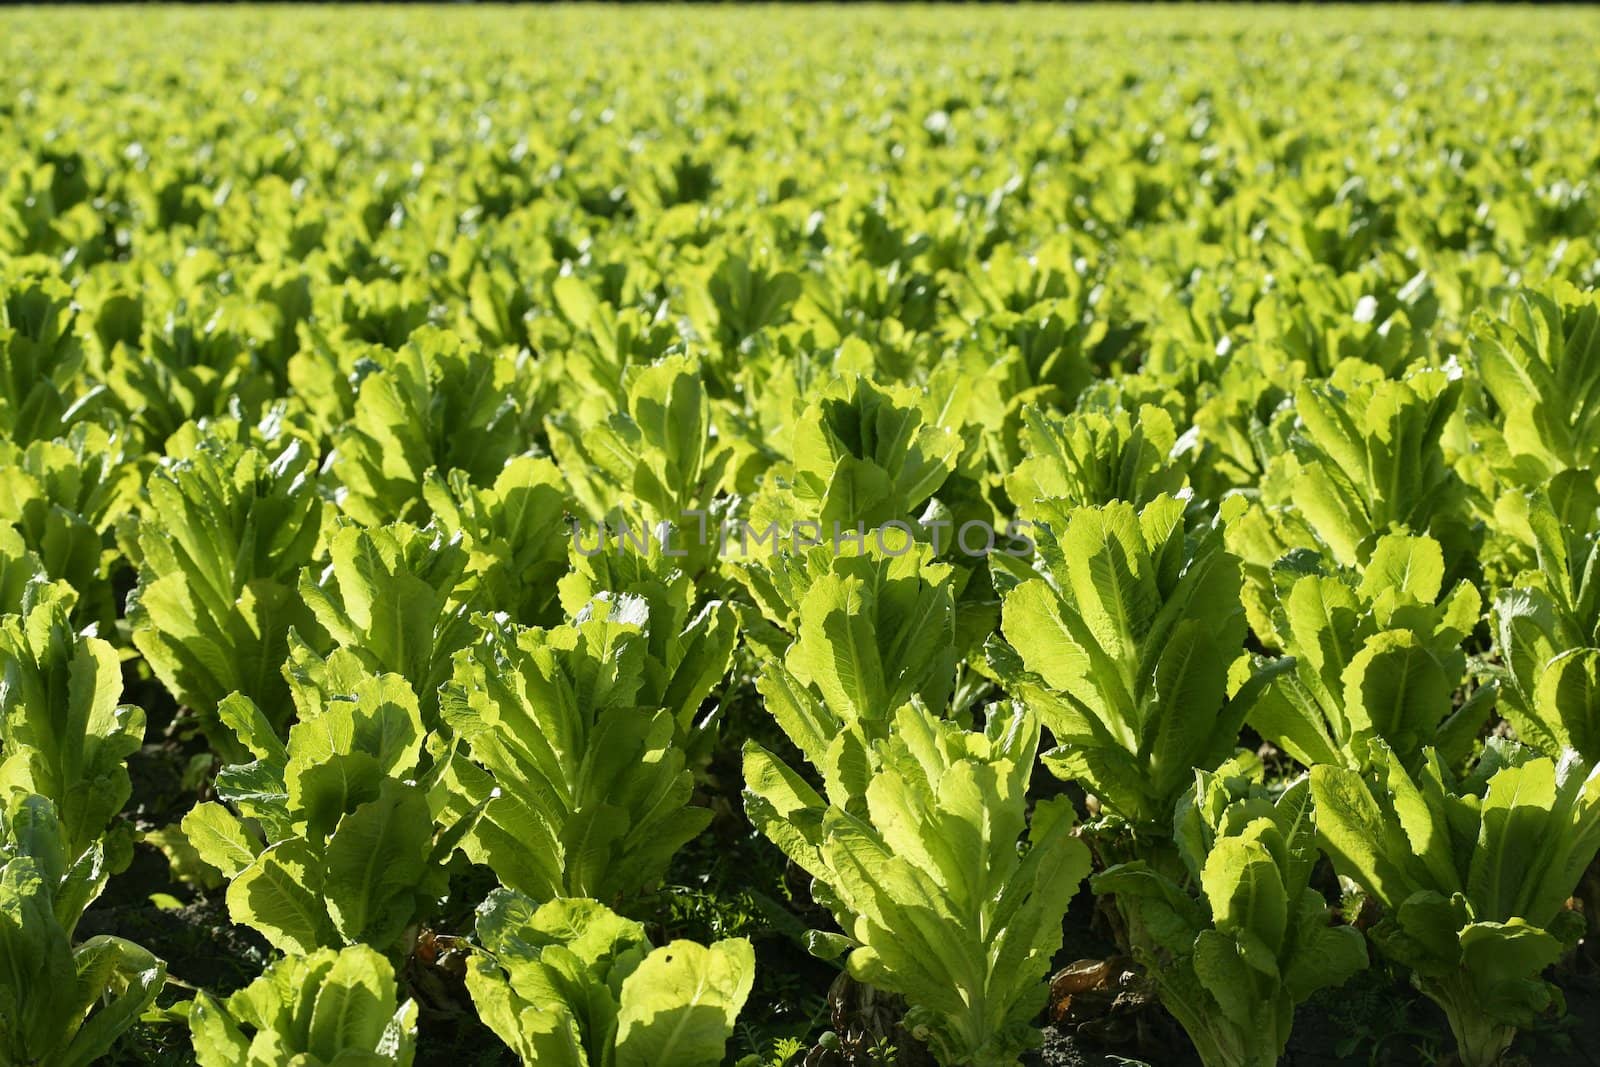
(197, 361)
(18, 569)
(898, 585)
(736, 299)
(65, 495)
(1307, 324)
(860, 453)
(583, 791)
(383, 312)
(1374, 655)
(1013, 281)
(1472, 876)
(325, 1008)
(689, 644)
(656, 461)
(433, 403)
(1236, 937)
(1046, 345)
(1538, 357)
(872, 631)
(569, 983)
(1366, 459)
(1547, 628)
(222, 535)
(62, 733)
(1094, 457)
(928, 875)
(516, 534)
(46, 211)
(324, 375)
(61, 1005)
(389, 597)
(41, 358)
(597, 332)
(331, 839)
(1122, 648)
(499, 307)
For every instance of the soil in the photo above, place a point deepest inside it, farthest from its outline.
(202, 948)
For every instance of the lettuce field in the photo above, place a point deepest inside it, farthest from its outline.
(799, 537)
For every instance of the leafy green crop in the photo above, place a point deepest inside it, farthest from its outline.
(571, 984)
(388, 599)
(936, 899)
(222, 536)
(689, 640)
(1473, 877)
(1237, 937)
(333, 842)
(433, 404)
(326, 1007)
(1376, 658)
(582, 789)
(1094, 458)
(1547, 629)
(64, 496)
(1122, 648)
(656, 537)
(654, 461)
(515, 534)
(41, 358)
(1538, 360)
(63, 734)
(61, 1005)
(1365, 459)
